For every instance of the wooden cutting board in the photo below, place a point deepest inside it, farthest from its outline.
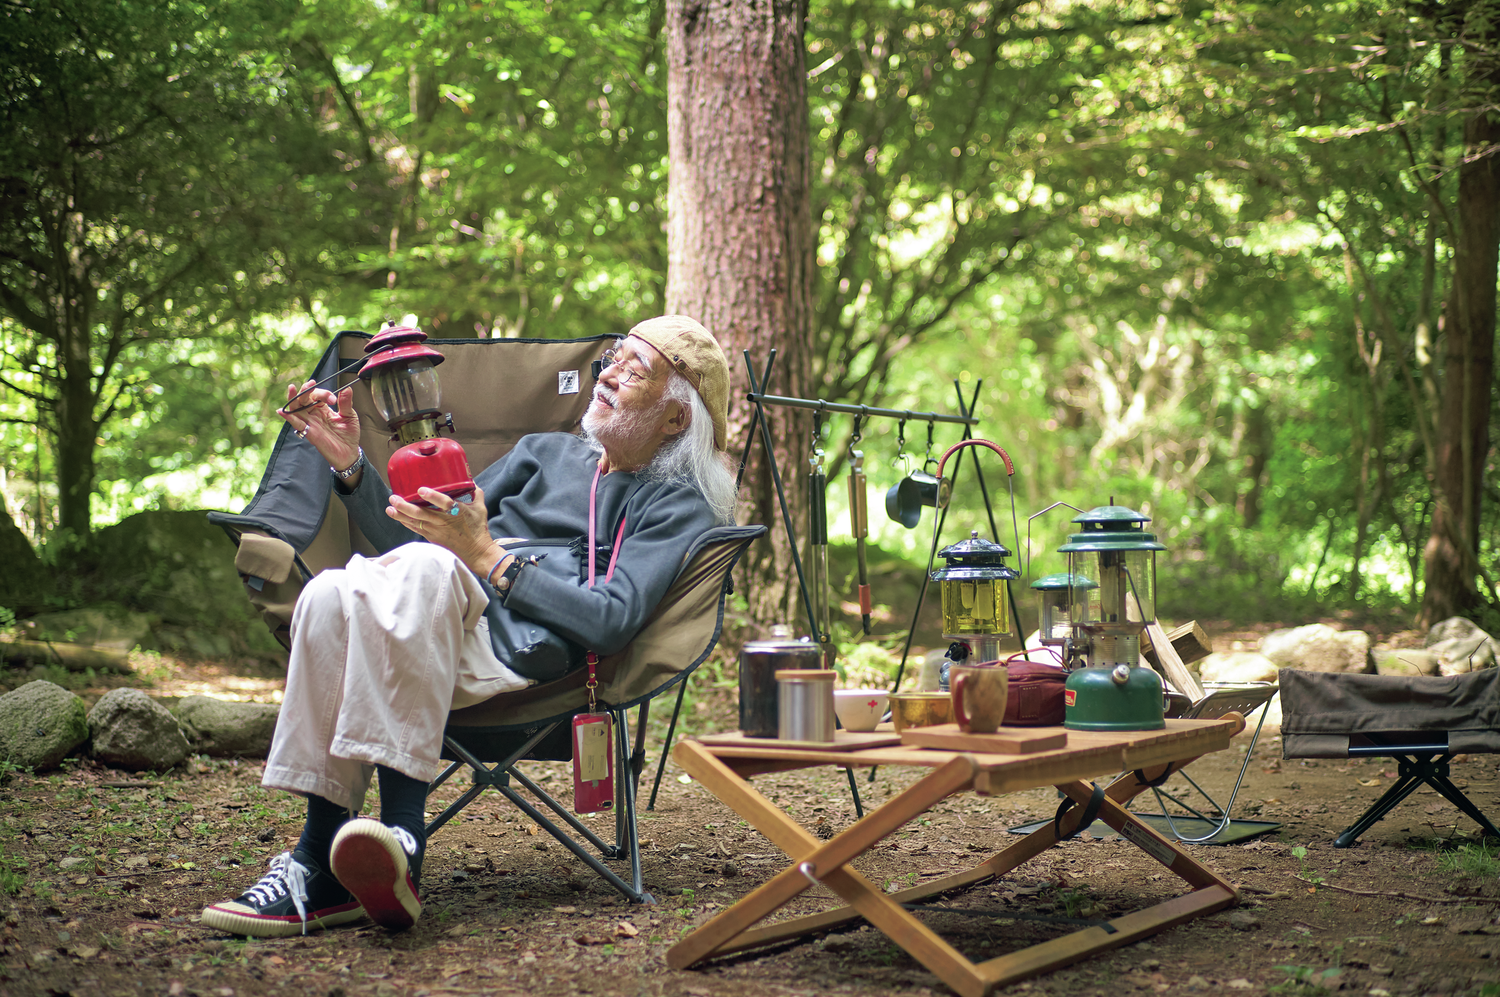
(1006, 741)
(843, 740)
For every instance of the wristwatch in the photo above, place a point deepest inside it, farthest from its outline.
(349, 471)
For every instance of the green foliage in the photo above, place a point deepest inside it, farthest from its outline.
(1480, 860)
(12, 875)
(167, 177)
(1306, 981)
(1193, 260)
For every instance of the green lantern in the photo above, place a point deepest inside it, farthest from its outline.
(1056, 624)
(1112, 599)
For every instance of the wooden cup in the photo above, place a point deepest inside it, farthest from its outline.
(979, 695)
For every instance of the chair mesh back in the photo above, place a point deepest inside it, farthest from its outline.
(497, 390)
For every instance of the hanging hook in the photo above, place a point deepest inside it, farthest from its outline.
(854, 436)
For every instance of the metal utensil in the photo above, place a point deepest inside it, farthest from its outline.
(859, 521)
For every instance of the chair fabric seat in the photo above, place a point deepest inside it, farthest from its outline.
(1324, 713)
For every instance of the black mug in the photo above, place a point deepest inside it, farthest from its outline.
(904, 501)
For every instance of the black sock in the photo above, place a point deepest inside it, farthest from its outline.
(402, 799)
(323, 822)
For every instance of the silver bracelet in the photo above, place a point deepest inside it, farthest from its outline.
(349, 471)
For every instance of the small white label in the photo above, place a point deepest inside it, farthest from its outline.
(567, 382)
(593, 752)
(1153, 846)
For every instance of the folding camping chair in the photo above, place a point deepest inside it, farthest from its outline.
(1422, 721)
(498, 390)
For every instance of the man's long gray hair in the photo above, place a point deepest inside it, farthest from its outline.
(692, 457)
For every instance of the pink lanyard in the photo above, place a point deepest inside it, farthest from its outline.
(619, 537)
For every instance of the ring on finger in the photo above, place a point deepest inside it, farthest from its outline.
(301, 433)
(453, 510)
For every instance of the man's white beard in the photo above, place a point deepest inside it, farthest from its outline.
(620, 429)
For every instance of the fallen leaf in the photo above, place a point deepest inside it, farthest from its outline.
(626, 930)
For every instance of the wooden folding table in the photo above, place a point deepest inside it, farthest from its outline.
(1145, 756)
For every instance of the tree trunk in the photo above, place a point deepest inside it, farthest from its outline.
(73, 416)
(740, 244)
(1451, 566)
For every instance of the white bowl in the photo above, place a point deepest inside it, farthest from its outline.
(860, 709)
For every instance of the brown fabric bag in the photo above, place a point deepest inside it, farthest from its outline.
(1035, 698)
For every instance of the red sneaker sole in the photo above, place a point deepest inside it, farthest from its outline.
(369, 868)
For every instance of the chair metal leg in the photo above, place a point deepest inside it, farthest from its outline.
(1415, 771)
(483, 774)
(666, 748)
(498, 778)
(1404, 786)
(627, 830)
(1224, 819)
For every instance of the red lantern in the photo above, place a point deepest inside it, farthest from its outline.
(400, 370)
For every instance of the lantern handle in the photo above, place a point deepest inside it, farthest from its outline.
(1010, 469)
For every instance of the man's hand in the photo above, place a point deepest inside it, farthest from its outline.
(462, 527)
(325, 420)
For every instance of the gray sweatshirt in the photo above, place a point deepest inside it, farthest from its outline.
(540, 490)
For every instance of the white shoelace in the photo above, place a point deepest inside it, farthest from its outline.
(407, 840)
(287, 876)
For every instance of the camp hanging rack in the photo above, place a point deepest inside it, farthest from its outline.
(760, 428)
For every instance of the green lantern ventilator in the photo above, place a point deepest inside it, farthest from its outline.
(1112, 599)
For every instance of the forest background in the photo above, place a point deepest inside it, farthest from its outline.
(1232, 265)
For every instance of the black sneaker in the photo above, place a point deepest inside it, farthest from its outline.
(292, 897)
(381, 865)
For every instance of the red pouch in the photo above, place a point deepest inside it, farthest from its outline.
(1035, 698)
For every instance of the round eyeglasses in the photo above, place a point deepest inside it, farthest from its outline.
(627, 375)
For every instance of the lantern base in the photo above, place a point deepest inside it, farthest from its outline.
(438, 463)
(1094, 700)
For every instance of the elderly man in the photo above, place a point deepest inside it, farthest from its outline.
(385, 648)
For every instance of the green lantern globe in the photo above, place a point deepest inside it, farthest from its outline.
(1055, 626)
(1112, 561)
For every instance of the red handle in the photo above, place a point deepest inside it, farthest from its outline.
(1010, 468)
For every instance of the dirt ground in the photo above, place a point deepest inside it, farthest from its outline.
(104, 874)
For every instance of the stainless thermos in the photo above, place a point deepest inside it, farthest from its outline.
(805, 705)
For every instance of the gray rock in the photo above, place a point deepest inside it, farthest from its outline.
(225, 729)
(1243, 921)
(1461, 647)
(40, 725)
(1461, 655)
(105, 625)
(1318, 647)
(26, 583)
(1406, 661)
(179, 568)
(1453, 626)
(133, 731)
(1237, 666)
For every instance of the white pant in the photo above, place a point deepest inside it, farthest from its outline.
(382, 650)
